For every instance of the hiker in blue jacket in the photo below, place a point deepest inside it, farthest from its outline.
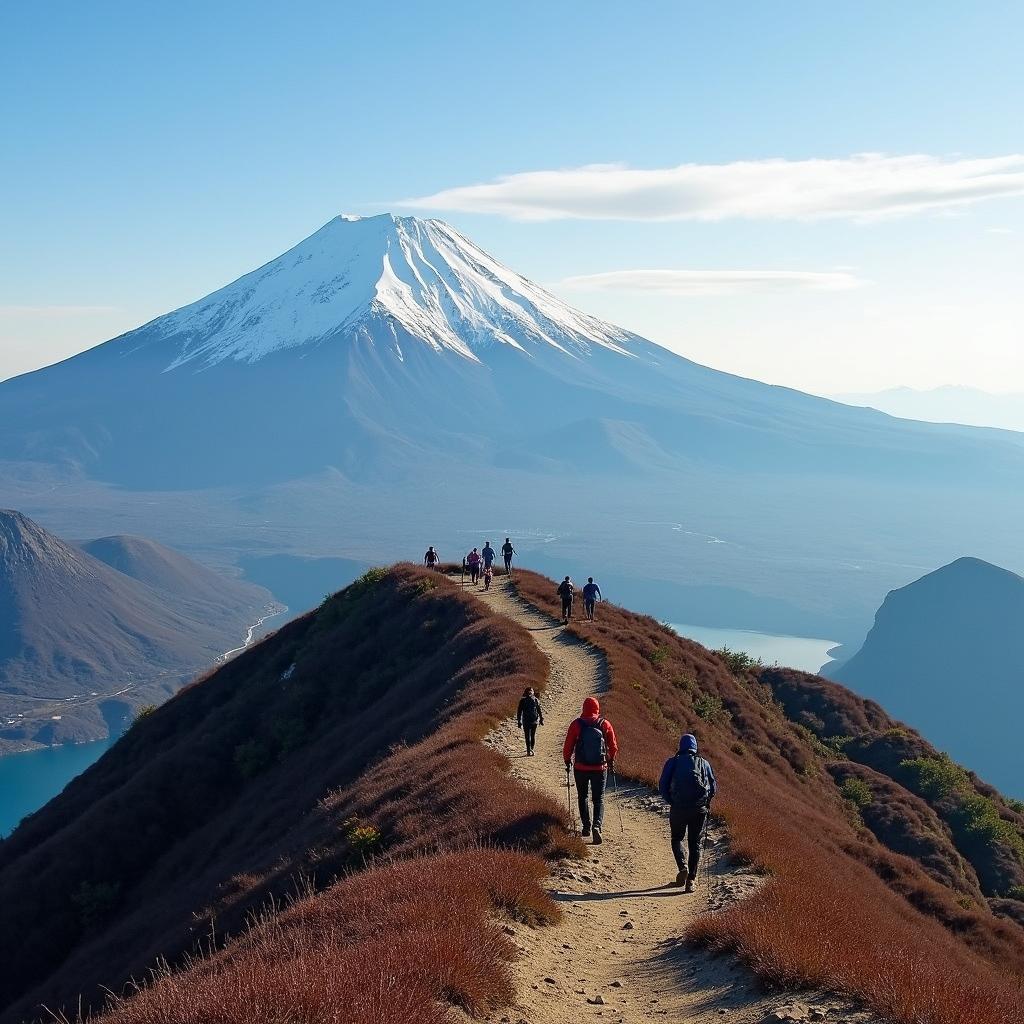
(688, 785)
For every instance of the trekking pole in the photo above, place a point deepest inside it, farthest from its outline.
(568, 798)
(618, 806)
(703, 855)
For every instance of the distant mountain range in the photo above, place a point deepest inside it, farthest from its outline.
(943, 655)
(89, 632)
(952, 403)
(386, 384)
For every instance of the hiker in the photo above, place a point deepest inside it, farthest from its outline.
(529, 716)
(589, 751)
(591, 594)
(432, 560)
(487, 554)
(507, 551)
(566, 592)
(473, 563)
(688, 785)
(488, 577)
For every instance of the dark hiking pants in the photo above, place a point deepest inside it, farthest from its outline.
(687, 823)
(508, 564)
(566, 608)
(594, 782)
(588, 607)
(530, 735)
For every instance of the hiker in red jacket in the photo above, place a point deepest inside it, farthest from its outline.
(589, 751)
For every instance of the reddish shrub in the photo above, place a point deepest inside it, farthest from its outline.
(387, 946)
(370, 708)
(840, 911)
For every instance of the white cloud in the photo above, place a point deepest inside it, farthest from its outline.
(868, 186)
(712, 282)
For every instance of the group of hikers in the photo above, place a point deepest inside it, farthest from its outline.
(478, 563)
(687, 781)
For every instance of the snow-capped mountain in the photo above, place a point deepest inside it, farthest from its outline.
(420, 277)
(387, 377)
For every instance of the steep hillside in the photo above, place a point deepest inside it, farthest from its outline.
(352, 731)
(84, 637)
(893, 876)
(890, 869)
(938, 656)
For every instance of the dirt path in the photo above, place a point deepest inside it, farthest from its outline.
(618, 955)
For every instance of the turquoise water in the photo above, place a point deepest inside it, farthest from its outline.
(28, 780)
(803, 652)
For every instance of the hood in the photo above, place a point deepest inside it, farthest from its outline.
(591, 708)
(688, 744)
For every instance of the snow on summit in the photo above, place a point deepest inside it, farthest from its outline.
(394, 280)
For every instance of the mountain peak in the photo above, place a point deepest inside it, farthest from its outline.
(24, 541)
(386, 279)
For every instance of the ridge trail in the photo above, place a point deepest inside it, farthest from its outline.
(620, 940)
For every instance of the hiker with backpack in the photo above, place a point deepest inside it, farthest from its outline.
(528, 717)
(589, 753)
(507, 551)
(591, 595)
(431, 559)
(488, 577)
(473, 564)
(566, 591)
(487, 554)
(688, 785)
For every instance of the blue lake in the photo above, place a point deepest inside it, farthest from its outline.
(805, 653)
(28, 780)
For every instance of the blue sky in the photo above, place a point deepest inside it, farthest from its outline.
(154, 152)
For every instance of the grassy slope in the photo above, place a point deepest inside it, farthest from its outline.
(841, 910)
(352, 731)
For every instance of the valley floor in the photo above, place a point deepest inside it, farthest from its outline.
(618, 954)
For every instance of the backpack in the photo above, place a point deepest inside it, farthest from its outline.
(689, 786)
(565, 590)
(591, 747)
(507, 550)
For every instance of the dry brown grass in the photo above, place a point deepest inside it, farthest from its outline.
(840, 911)
(389, 946)
(366, 713)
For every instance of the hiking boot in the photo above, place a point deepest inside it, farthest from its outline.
(681, 878)
(689, 885)
(586, 832)
(597, 836)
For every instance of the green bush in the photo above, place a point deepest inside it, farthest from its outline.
(658, 656)
(936, 777)
(857, 792)
(94, 901)
(980, 817)
(290, 734)
(143, 712)
(251, 757)
(738, 662)
(363, 840)
(709, 707)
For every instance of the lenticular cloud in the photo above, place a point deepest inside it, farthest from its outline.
(864, 187)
